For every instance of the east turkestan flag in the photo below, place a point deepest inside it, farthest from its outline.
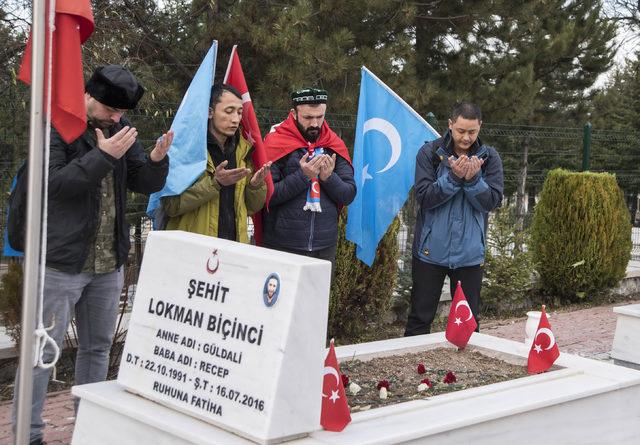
(389, 134)
(188, 152)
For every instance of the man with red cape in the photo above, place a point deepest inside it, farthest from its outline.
(312, 180)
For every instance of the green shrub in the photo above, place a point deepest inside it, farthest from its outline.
(360, 294)
(508, 266)
(11, 300)
(581, 234)
(401, 299)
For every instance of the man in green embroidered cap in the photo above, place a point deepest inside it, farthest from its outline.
(87, 232)
(312, 179)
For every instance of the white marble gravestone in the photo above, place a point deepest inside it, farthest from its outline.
(626, 341)
(208, 339)
(586, 402)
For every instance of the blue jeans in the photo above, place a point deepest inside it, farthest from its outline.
(94, 298)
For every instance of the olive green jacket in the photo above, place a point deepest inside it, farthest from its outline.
(196, 209)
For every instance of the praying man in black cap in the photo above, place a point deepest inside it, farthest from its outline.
(88, 234)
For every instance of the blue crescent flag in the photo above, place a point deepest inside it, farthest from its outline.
(389, 134)
(188, 152)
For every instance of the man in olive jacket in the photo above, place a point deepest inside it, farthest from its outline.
(222, 198)
(88, 235)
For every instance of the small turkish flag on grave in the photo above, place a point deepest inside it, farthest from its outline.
(461, 323)
(544, 349)
(335, 413)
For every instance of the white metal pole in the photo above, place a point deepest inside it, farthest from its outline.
(34, 225)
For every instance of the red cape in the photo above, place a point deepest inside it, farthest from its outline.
(287, 138)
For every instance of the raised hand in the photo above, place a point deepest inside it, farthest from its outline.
(231, 176)
(162, 147)
(311, 168)
(261, 174)
(118, 144)
(459, 166)
(327, 167)
(473, 167)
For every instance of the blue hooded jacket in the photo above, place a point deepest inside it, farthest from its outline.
(452, 213)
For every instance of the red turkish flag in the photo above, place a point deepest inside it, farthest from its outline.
(73, 26)
(335, 413)
(544, 349)
(250, 130)
(461, 323)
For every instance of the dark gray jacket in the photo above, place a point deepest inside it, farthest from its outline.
(76, 171)
(286, 225)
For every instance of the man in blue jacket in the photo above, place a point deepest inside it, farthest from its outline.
(458, 182)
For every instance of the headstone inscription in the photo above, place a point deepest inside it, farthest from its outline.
(229, 333)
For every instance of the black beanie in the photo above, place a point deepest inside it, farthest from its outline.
(115, 86)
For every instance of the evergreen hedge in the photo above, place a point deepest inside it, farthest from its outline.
(581, 234)
(361, 294)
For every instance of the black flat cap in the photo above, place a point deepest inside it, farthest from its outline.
(115, 86)
(309, 96)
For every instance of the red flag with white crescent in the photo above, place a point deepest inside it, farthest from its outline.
(250, 130)
(335, 415)
(73, 26)
(461, 323)
(544, 349)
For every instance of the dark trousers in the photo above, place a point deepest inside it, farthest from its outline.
(428, 280)
(328, 254)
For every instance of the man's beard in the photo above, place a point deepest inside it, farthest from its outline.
(101, 124)
(311, 134)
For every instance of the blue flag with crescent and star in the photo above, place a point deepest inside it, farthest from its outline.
(389, 134)
(188, 152)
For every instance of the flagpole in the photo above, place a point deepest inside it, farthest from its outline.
(226, 74)
(33, 229)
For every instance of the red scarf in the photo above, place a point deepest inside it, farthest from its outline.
(286, 138)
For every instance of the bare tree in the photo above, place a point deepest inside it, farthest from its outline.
(626, 12)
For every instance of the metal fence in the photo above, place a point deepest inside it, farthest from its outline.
(548, 147)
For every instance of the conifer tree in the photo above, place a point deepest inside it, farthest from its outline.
(524, 62)
(291, 44)
(616, 108)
